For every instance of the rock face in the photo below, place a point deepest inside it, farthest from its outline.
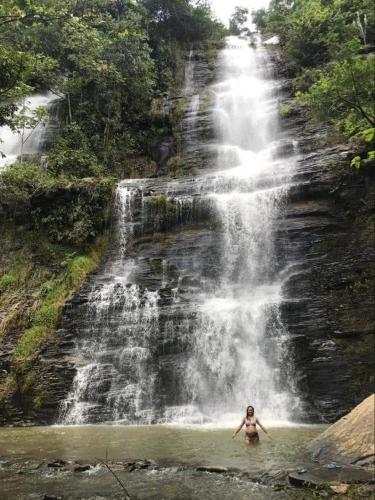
(351, 439)
(325, 239)
(329, 308)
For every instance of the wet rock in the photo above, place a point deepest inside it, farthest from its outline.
(162, 150)
(138, 464)
(317, 476)
(57, 464)
(81, 468)
(213, 469)
(329, 323)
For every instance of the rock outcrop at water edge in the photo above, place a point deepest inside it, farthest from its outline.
(351, 439)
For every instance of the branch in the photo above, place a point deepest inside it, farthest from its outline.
(357, 107)
(12, 19)
(127, 496)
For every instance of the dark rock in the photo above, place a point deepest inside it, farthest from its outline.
(213, 469)
(138, 464)
(81, 468)
(57, 463)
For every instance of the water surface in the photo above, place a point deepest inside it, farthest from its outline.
(177, 450)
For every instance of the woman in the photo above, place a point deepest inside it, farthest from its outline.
(250, 422)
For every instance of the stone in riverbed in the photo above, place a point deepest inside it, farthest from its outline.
(131, 465)
(57, 464)
(340, 488)
(214, 469)
(82, 468)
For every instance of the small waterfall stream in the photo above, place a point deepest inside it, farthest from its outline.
(34, 139)
(183, 322)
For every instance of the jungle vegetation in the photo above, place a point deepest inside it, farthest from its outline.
(107, 60)
(329, 46)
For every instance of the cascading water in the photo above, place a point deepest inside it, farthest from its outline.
(183, 321)
(30, 140)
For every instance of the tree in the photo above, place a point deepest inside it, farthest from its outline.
(25, 121)
(344, 95)
(238, 20)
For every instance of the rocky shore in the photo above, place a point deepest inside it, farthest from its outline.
(79, 479)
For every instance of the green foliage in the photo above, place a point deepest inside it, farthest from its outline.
(326, 44)
(19, 183)
(74, 212)
(175, 165)
(369, 135)
(344, 95)
(6, 281)
(101, 58)
(313, 32)
(163, 210)
(52, 295)
(72, 156)
(238, 20)
(358, 162)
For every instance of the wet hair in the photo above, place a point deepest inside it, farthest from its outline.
(247, 409)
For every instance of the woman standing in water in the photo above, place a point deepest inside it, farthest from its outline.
(250, 422)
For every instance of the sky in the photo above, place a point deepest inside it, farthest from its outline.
(224, 8)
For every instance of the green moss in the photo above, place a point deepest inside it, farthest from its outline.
(179, 109)
(51, 297)
(6, 281)
(176, 166)
(158, 201)
(206, 99)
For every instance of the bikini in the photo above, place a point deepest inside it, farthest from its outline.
(251, 436)
(249, 422)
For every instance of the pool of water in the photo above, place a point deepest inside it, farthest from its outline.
(177, 450)
(166, 445)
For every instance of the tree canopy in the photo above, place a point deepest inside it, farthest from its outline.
(238, 20)
(330, 47)
(105, 58)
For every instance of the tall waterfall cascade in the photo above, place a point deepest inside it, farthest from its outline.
(182, 323)
(28, 141)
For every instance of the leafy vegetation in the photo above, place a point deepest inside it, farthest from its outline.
(329, 46)
(105, 59)
(238, 20)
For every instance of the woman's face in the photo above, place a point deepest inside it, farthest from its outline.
(250, 411)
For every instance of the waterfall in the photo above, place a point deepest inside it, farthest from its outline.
(34, 139)
(182, 323)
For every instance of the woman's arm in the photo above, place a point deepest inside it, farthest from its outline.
(239, 428)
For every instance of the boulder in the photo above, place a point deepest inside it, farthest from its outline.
(351, 439)
(321, 475)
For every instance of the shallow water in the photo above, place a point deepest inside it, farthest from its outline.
(177, 450)
(166, 445)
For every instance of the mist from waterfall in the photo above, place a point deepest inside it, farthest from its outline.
(183, 332)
